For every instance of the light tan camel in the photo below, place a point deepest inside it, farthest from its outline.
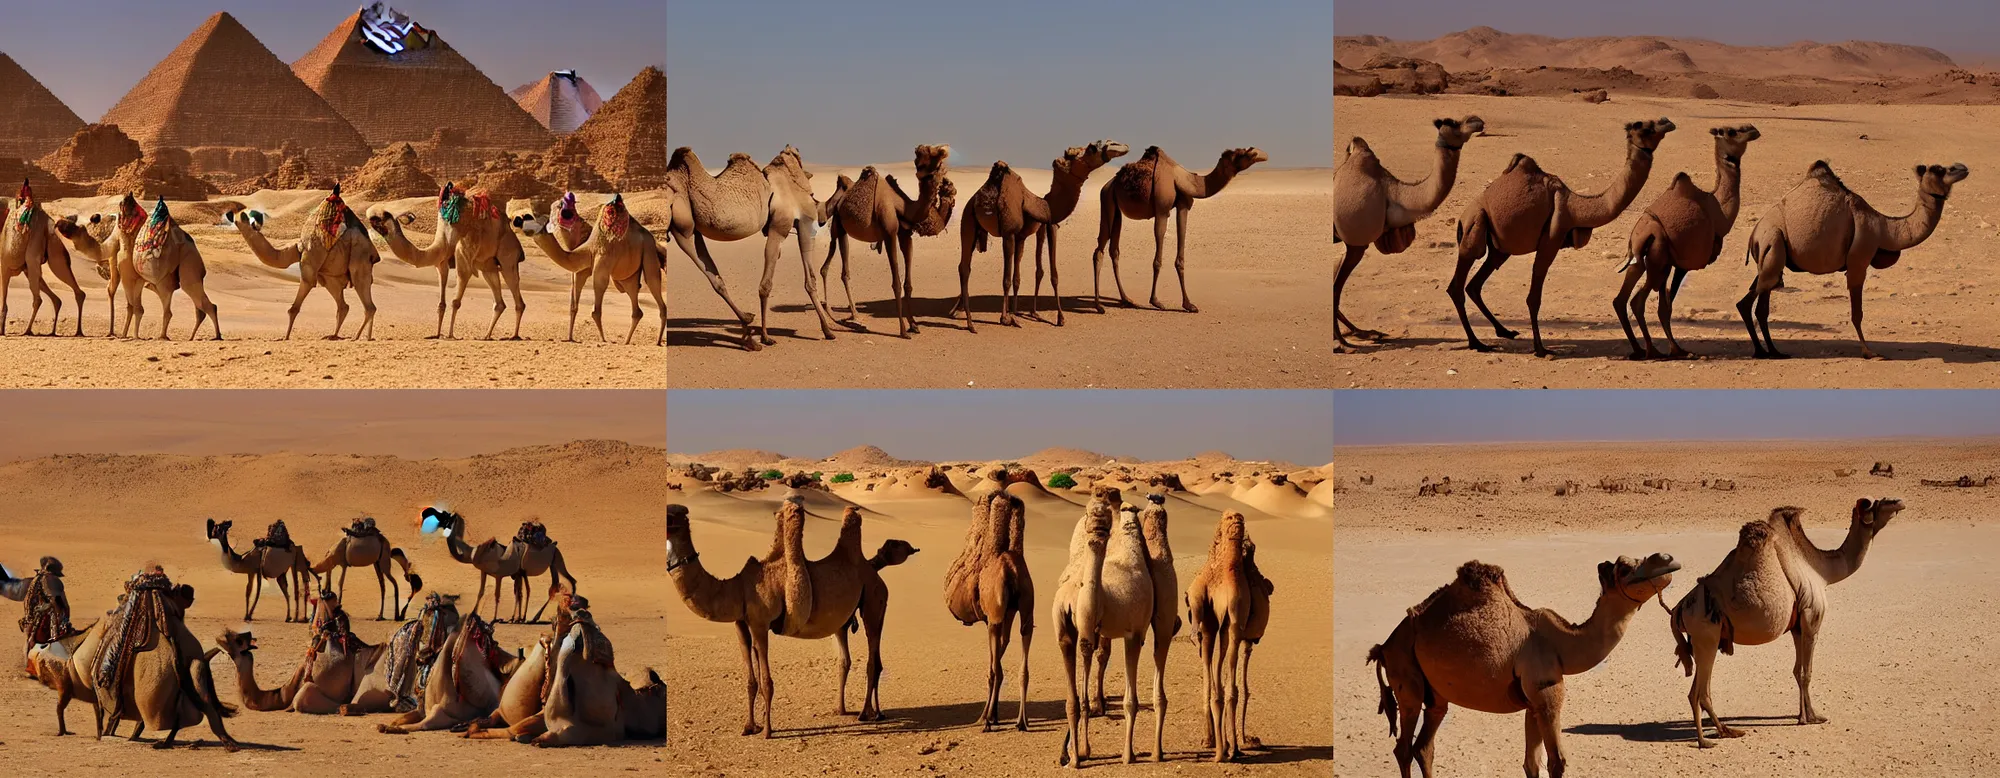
(464, 683)
(113, 253)
(614, 253)
(332, 252)
(1774, 582)
(516, 560)
(732, 205)
(25, 248)
(1472, 643)
(793, 209)
(873, 209)
(327, 676)
(989, 583)
(1681, 231)
(149, 668)
(569, 693)
(1005, 209)
(64, 667)
(395, 685)
(164, 259)
(472, 236)
(1107, 593)
(1528, 211)
(1373, 206)
(362, 545)
(1261, 590)
(753, 599)
(237, 646)
(272, 556)
(1822, 227)
(519, 714)
(1076, 609)
(1150, 188)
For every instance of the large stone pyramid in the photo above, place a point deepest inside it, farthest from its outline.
(628, 136)
(562, 101)
(422, 93)
(32, 122)
(229, 102)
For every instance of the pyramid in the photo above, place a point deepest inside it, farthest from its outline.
(409, 96)
(34, 122)
(229, 102)
(562, 101)
(628, 136)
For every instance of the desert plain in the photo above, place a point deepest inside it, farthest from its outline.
(934, 682)
(1904, 666)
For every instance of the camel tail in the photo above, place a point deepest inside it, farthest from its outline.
(1683, 650)
(1387, 706)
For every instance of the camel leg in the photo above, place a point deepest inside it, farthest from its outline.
(1857, 276)
(496, 599)
(904, 241)
(481, 597)
(1764, 324)
(896, 288)
(1476, 290)
(696, 248)
(384, 585)
(1621, 302)
(966, 238)
(576, 285)
(846, 663)
(1035, 300)
(819, 304)
(1545, 703)
(444, 283)
(111, 303)
(1133, 645)
(510, 272)
(1639, 312)
(750, 677)
(1235, 742)
(1243, 714)
(249, 605)
(1161, 645)
(1103, 661)
(1544, 257)
(1180, 256)
(871, 702)
(1010, 268)
(1159, 255)
(1347, 266)
(774, 241)
(1704, 646)
(298, 303)
(499, 303)
(760, 639)
(996, 646)
(1116, 230)
(1027, 637)
(284, 590)
(338, 291)
(202, 306)
(1424, 750)
(1531, 764)
(166, 294)
(1674, 350)
(1072, 750)
(1409, 707)
(1803, 637)
(835, 242)
(458, 301)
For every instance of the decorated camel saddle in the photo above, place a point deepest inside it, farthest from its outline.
(45, 617)
(135, 626)
(330, 628)
(571, 610)
(534, 535)
(362, 528)
(416, 645)
(276, 537)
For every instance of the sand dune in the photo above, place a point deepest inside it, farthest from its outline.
(1485, 47)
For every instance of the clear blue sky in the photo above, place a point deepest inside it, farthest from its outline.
(864, 81)
(1957, 27)
(1369, 418)
(91, 52)
(951, 424)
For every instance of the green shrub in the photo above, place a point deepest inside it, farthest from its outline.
(1061, 481)
(843, 478)
(817, 473)
(771, 475)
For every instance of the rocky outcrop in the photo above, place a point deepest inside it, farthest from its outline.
(94, 153)
(1408, 76)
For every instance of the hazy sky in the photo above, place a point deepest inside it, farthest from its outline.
(951, 424)
(91, 52)
(408, 423)
(1953, 26)
(864, 81)
(1441, 416)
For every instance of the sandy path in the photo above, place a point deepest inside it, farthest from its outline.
(934, 681)
(1256, 267)
(1928, 314)
(253, 299)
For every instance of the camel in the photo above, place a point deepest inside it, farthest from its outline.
(1104, 594)
(1526, 210)
(472, 236)
(1005, 209)
(362, 545)
(1218, 605)
(64, 666)
(614, 253)
(1373, 206)
(1473, 643)
(568, 691)
(396, 684)
(162, 257)
(1166, 620)
(464, 682)
(1822, 227)
(1774, 582)
(735, 204)
(1681, 231)
(519, 713)
(113, 255)
(873, 209)
(272, 556)
(332, 251)
(1150, 188)
(518, 560)
(327, 677)
(148, 667)
(752, 599)
(845, 586)
(1261, 590)
(989, 582)
(44, 604)
(25, 248)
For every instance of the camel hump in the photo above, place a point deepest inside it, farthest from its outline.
(1522, 159)
(1482, 577)
(1754, 535)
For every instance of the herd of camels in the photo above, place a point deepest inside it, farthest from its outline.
(1474, 644)
(1820, 227)
(136, 249)
(1119, 582)
(441, 669)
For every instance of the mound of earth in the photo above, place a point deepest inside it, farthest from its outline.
(566, 166)
(94, 153)
(1487, 48)
(151, 179)
(508, 177)
(393, 173)
(861, 457)
(1354, 83)
(1408, 76)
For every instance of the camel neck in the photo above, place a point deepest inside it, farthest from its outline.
(707, 596)
(1593, 211)
(1908, 231)
(1064, 191)
(1580, 647)
(1211, 183)
(1419, 200)
(1728, 185)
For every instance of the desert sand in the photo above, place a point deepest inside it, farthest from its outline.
(107, 515)
(1930, 314)
(252, 299)
(1255, 263)
(934, 680)
(1885, 663)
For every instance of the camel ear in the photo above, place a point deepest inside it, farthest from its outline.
(1861, 512)
(1607, 574)
(1438, 123)
(1920, 171)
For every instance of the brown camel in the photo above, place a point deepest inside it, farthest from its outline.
(1473, 643)
(1773, 583)
(25, 248)
(733, 205)
(362, 545)
(1218, 605)
(112, 253)
(464, 682)
(149, 668)
(519, 714)
(1528, 211)
(873, 209)
(273, 556)
(1261, 590)
(614, 253)
(753, 599)
(44, 604)
(569, 693)
(472, 236)
(531, 553)
(1150, 188)
(1005, 209)
(1372, 206)
(327, 676)
(165, 259)
(989, 583)
(1681, 231)
(64, 666)
(333, 251)
(1822, 227)
(395, 684)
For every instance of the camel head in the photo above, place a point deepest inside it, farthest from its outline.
(1875, 514)
(1731, 142)
(180, 598)
(1452, 133)
(680, 544)
(895, 552)
(237, 645)
(529, 225)
(130, 216)
(1937, 180)
(1646, 136)
(1079, 161)
(1637, 579)
(1239, 160)
(65, 226)
(931, 159)
(48, 565)
(385, 223)
(219, 531)
(646, 712)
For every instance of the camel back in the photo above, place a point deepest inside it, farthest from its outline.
(138, 624)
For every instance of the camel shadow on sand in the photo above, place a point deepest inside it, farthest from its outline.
(1676, 731)
(876, 318)
(197, 745)
(1714, 341)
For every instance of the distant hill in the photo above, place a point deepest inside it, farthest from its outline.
(1482, 48)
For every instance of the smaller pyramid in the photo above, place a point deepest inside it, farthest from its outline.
(562, 101)
(33, 122)
(94, 153)
(628, 136)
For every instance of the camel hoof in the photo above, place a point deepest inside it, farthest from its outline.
(1772, 355)
(1479, 347)
(1370, 335)
(1506, 333)
(1813, 719)
(1542, 353)
(162, 746)
(1190, 307)
(1021, 725)
(1639, 356)
(1704, 744)
(331, 337)
(751, 729)
(1873, 356)
(1730, 733)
